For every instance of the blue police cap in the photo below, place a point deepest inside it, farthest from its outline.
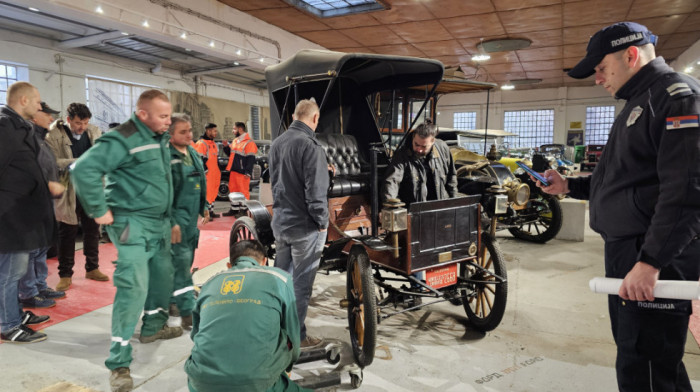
(611, 39)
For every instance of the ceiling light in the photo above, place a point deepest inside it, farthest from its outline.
(99, 9)
(688, 69)
(183, 35)
(188, 49)
(262, 59)
(239, 52)
(698, 63)
(236, 63)
(211, 44)
(33, 9)
(145, 23)
(125, 33)
(507, 86)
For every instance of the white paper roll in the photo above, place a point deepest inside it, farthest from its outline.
(671, 289)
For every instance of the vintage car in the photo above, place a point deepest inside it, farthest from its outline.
(382, 247)
(592, 156)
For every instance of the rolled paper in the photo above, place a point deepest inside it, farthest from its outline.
(670, 289)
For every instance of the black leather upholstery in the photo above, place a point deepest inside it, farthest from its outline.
(341, 152)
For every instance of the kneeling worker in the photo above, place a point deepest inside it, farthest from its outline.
(245, 327)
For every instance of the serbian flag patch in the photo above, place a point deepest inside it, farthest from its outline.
(682, 122)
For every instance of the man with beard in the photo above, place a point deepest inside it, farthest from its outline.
(207, 148)
(241, 160)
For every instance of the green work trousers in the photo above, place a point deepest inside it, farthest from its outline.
(183, 257)
(144, 281)
(283, 384)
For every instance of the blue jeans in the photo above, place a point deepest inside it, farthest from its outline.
(300, 256)
(13, 266)
(34, 281)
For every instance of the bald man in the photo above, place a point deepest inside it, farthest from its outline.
(26, 210)
(134, 160)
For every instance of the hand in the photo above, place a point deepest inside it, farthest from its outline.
(175, 235)
(639, 283)
(331, 168)
(56, 189)
(106, 219)
(206, 217)
(557, 183)
(322, 230)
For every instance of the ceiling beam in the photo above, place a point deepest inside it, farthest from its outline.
(89, 40)
(209, 71)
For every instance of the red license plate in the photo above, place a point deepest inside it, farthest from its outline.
(441, 276)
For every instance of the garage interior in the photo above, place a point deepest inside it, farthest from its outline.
(555, 335)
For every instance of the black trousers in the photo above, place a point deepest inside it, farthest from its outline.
(650, 336)
(66, 243)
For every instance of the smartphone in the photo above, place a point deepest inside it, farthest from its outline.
(535, 174)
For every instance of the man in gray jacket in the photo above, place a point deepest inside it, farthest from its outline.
(299, 180)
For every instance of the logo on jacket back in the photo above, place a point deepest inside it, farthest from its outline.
(232, 284)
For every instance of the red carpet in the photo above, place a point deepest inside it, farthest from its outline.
(87, 295)
(695, 322)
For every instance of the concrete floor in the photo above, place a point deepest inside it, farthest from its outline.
(554, 337)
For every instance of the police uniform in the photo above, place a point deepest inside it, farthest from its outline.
(645, 202)
(245, 331)
(189, 202)
(135, 164)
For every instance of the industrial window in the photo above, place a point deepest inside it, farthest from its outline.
(464, 120)
(10, 73)
(111, 101)
(534, 127)
(599, 120)
(331, 8)
(255, 122)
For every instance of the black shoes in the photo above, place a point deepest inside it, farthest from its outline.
(22, 335)
(37, 302)
(29, 318)
(213, 215)
(50, 293)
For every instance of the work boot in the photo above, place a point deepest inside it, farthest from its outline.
(120, 380)
(186, 322)
(165, 333)
(52, 294)
(22, 334)
(96, 275)
(311, 342)
(64, 284)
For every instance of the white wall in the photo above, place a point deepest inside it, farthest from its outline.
(569, 104)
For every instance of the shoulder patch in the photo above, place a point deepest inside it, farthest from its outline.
(126, 129)
(679, 122)
(678, 88)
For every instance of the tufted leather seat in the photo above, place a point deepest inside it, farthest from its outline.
(341, 151)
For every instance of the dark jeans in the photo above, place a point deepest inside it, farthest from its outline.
(66, 243)
(650, 336)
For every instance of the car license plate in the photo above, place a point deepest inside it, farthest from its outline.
(441, 276)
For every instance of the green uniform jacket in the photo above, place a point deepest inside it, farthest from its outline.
(190, 191)
(135, 164)
(245, 329)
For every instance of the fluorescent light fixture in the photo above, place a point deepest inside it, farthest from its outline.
(188, 50)
(212, 44)
(145, 23)
(239, 52)
(125, 33)
(688, 69)
(99, 9)
(183, 35)
(507, 86)
(481, 57)
(236, 63)
(262, 59)
(33, 9)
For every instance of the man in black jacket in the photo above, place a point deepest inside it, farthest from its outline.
(644, 201)
(299, 181)
(26, 212)
(421, 169)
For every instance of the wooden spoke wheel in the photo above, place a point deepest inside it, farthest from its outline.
(362, 307)
(243, 229)
(485, 303)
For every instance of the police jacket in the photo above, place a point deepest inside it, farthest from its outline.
(26, 210)
(299, 181)
(60, 144)
(245, 329)
(647, 183)
(189, 189)
(406, 177)
(135, 163)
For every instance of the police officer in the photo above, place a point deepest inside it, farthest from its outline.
(246, 329)
(134, 160)
(644, 201)
(189, 201)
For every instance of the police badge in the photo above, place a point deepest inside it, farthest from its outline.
(634, 115)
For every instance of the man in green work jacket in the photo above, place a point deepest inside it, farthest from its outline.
(245, 327)
(189, 202)
(134, 160)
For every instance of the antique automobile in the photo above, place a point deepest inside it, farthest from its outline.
(381, 246)
(556, 154)
(592, 156)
